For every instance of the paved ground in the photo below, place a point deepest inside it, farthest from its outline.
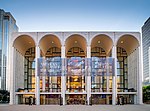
(74, 108)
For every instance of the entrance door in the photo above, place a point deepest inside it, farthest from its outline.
(76, 99)
(54, 99)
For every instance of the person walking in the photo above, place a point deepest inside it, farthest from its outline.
(120, 100)
(29, 100)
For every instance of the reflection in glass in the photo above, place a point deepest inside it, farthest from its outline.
(101, 70)
(29, 70)
(52, 80)
(76, 68)
(122, 71)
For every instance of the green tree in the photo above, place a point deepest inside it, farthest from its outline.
(146, 93)
(4, 96)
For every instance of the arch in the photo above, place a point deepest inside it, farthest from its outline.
(49, 41)
(75, 40)
(23, 42)
(128, 42)
(102, 41)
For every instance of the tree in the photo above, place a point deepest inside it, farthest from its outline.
(4, 96)
(146, 93)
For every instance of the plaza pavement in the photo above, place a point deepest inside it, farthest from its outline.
(6, 107)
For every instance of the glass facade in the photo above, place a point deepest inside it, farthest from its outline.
(101, 99)
(46, 99)
(122, 70)
(101, 77)
(102, 72)
(29, 70)
(146, 51)
(75, 76)
(7, 26)
(78, 99)
(52, 81)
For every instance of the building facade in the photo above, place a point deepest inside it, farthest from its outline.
(75, 67)
(7, 26)
(146, 51)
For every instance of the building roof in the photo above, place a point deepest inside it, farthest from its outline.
(147, 21)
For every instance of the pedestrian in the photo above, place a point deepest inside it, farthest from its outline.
(122, 100)
(30, 100)
(118, 102)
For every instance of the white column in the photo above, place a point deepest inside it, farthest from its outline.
(88, 85)
(12, 80)
(37, 82)
(63, 77)
(107, 77)
(140, 73)
(114, 78)
(2, 67)
(43, 81)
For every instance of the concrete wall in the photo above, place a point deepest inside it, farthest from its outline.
(19, 71)
(133, 69)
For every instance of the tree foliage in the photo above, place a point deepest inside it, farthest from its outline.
(4, 96)
(146, 93)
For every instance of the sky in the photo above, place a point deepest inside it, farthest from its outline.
(78, 15)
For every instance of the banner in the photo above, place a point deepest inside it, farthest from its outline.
(102, 66)
(76, 66)
(49, 66)
(93, 66)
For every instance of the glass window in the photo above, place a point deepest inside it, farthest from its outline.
(122, 71)
(99, 77)
(29, 70)
(75, 79)
(53, 77)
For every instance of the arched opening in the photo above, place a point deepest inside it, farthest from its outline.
(127, 66)
(23, 43)
(24, 55)
(101, 46)
(104, 42)
(50, 46)
(75, 41)
(129, 43)
(75, 79)
(49, 41)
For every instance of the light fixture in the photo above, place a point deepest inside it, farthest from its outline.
(76, 79)
(121, 42)
(99, 42)
(75, 41)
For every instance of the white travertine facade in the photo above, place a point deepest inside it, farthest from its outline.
(124, 47)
